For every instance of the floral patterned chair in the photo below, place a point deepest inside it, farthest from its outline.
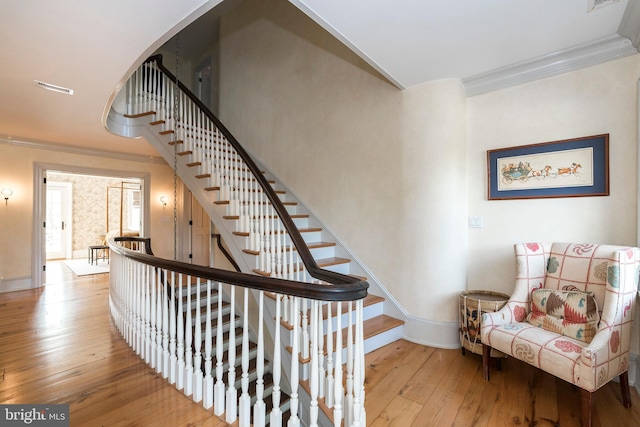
(570, 315)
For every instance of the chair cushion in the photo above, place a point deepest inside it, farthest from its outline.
(570, 313)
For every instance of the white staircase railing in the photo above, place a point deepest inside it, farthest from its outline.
(159, 295)
(158, 306)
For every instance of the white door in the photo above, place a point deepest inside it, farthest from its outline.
(200, 234)
(58, 220)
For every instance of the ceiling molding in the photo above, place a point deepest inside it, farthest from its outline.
(72, 149)
(630, 24)
(607, 49)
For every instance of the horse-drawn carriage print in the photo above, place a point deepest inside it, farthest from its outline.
(569, 168)
(523, 171)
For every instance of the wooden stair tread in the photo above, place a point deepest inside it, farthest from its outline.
(312, 245)
(282, 231)
(325, 262)
(236, 217)
(135, 116)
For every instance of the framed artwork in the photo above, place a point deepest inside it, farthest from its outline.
(569, 168)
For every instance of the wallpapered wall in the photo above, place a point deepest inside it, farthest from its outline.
(89, 206)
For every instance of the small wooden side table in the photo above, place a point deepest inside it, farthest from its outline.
(97, 252)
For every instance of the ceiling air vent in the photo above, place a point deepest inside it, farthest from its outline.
(54, 88)
(597, 4)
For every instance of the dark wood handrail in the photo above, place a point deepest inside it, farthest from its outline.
(303, 251)
(317, 291)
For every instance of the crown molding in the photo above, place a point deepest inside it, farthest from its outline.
(73, 149)
(630, 24)
(587, 55)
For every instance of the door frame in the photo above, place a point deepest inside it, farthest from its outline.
(38, 248)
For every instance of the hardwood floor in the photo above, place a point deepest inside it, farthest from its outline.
(59, 345)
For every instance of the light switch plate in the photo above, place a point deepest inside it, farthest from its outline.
(475, 221)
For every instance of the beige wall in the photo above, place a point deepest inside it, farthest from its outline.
(592, 101)
(383, 168)
(395, 174)
(17, 171)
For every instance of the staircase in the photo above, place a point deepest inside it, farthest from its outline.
(219, 178)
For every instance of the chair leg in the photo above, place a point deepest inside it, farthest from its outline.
(624, 388)
(486, 358)
(587, 399)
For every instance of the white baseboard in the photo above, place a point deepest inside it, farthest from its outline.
(634, 371)
(432, 334)
(17, 284)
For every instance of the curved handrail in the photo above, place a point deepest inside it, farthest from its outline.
(317, 291)
(295, 236)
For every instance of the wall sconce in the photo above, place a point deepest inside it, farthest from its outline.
(163, 200)
(6, 192)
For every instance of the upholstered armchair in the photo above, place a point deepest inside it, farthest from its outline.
(570, 315)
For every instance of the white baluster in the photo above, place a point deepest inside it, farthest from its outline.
(165, 328)
(330, 386)
(348, 404)
(359, 415)
(180, 327)
(197, 360)
(314, 377)
(279, 251)
(294, 421)
(245, 399)
(218, 397)
(232, 393)
(338, 391)
(159, 305)
(188, 343)
(263, 232)
(321, 372)
(147, 314)
(259, 408)
(305, 331)
(153, 318)
(173, 360)
(137, 293)
(272, 248)
(208, 337)
(275, 418)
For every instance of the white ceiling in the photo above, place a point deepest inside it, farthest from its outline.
(91, 47)
(417, 41)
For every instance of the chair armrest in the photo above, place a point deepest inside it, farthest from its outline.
(511, 312)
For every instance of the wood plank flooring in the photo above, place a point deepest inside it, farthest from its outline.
(59, 345)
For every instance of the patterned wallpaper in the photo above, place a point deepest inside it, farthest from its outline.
(89, 206)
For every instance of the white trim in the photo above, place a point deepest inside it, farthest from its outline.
(16, 284)
(634, 371)
(587, 55)
(72, 149)
(432, 334)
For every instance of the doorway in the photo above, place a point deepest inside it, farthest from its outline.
(88, 193)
